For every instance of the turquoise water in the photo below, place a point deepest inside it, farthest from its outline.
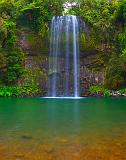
(32, 122)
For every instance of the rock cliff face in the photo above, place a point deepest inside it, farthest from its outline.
(36, 63)
(36, 58)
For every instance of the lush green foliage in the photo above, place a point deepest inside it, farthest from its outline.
(19, 91)
(37, 14)
(15, 63)
(15, 14)
(11, 65)
(122, 91)
(107, 20)
(99, 90)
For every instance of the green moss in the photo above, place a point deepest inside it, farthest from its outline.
(30, 37)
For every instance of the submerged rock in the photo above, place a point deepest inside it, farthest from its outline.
(26, 137)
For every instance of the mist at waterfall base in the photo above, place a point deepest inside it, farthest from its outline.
(64, 58)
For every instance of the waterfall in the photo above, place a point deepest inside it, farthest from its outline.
(64, 57)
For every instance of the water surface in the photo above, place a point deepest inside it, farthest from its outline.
(63, 129)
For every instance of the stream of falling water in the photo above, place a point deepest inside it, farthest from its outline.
(64, 57)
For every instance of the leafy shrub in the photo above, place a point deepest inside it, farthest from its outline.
(99, 90)
(115, 73)
(122, 91)
(17, 91)
(15, 66)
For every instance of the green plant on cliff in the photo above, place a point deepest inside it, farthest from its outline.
(107, 20)
(15, 66)
(99, 90)
(117, 69)
(98, 13)
(3, 62)
(115, 73)
(122, 91)
(19, 91)
(38, 14)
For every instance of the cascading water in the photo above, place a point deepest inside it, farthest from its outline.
(64, 57)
